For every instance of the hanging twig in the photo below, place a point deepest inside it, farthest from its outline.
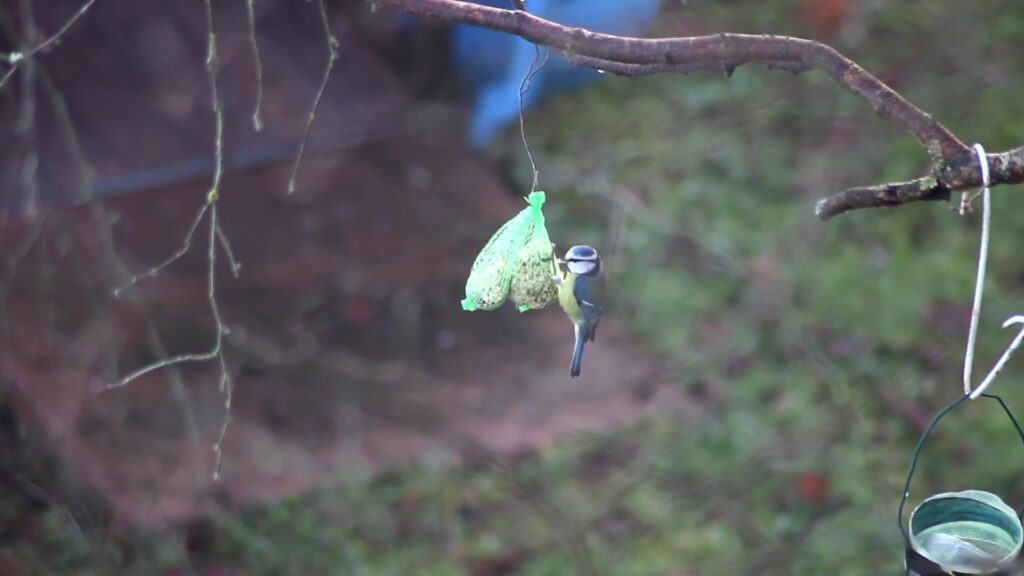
(257, 119)
(215, 237)
(332, 55)
(181, 251)
(46, 44)
(215, 103)
(211, 289)
(7, 75)
(15, 58)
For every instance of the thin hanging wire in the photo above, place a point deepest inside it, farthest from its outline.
(924, 437)
(524, 87)
(913, 461)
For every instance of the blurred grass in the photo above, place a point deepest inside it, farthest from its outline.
(815, 348)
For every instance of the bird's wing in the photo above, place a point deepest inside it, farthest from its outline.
(591, 312)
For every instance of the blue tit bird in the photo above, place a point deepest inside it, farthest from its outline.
(576, 288)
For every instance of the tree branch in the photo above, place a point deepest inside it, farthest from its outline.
(1007, 168)
(953, 165)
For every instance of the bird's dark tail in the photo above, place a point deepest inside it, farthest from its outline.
(577, 353)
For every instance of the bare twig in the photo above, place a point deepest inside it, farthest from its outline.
(952, 166)
(216, 233)
(26, 124)
(15, 58)
(882, 196)
(86, 172)
(215, 237)
(181, 251)
(257, 119)
(215, 103)
(220, 331)
(45, 45)
(235, 266)
(332, 55)
(211, 277)
(7, 75)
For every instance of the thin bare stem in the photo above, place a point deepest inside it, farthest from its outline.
(257, 120)
(216, 352)
(227, 387)
(49, 42)
(979, 286)
(26, 124)
(72, 144)
(215, 238)
(181, 251)
(332, 55)
(216, 234)
(7, 75)
(174, 376)
(228, 252)
(215, 103)
(14, 58)
(214, 309)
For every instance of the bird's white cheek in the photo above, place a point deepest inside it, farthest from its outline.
(579, 267)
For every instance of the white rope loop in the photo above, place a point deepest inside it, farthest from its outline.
(983, 162)
(976, 310)
(979, 286)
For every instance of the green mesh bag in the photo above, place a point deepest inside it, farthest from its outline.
(519, 254)
(532, 287)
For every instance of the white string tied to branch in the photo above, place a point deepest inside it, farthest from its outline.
(979, 286)
(986, 221)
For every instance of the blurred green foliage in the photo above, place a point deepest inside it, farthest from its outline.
(815, 350)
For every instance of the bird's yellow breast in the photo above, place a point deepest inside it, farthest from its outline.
(567, 300)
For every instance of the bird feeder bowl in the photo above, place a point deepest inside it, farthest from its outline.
(960, 533)
(969, 532)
